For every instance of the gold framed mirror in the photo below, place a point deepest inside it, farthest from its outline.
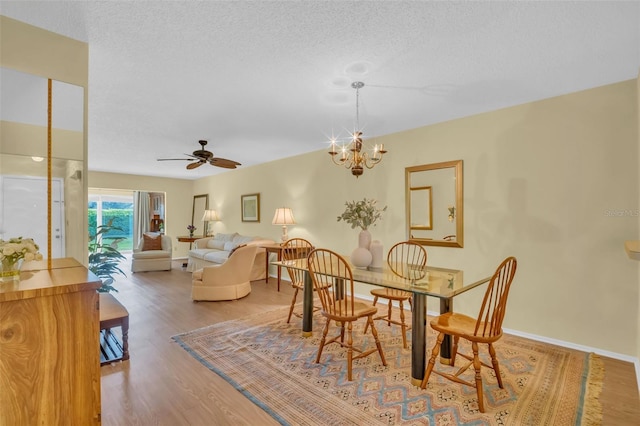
(434, 204)
(200, 204)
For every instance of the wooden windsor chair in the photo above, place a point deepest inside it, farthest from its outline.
(333, 281)
(408, 260)
(296, 248)
(486, 328)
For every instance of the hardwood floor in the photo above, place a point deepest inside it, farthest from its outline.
(163, 385)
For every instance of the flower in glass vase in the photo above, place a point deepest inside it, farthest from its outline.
(14, 251)
(191, 229)
(361, 214)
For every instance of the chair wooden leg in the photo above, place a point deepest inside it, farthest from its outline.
(349, 350)
(375, 300)
(477, 366)
(496, 365)
(454, 350)
(390, 306)
(432, 361)
(403, 326)
(374, 332)
(322, 340)
(293, 303)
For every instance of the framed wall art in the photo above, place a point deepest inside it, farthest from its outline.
(250, 207)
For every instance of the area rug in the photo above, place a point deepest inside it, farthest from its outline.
(271, 363)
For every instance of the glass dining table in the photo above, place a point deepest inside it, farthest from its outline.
(440, 283)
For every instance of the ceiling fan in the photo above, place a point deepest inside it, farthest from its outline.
(202, 156)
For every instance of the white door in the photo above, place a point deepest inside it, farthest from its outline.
(23, 211)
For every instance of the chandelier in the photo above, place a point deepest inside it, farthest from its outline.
(351, 155)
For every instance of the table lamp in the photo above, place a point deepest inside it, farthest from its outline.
(284, 217)
(210, 216)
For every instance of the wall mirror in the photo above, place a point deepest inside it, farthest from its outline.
(434, 204)
(200, 204)
(24, 163)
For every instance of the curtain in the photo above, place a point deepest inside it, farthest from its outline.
(141, 215)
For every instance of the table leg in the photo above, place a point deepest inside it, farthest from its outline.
(266, 267)
(418, 338)
(446, 305)
(307, 306)
(279, 269)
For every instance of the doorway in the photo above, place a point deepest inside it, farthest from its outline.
(23, 212)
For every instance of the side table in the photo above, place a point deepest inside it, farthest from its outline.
(277, 249)
(189, 240)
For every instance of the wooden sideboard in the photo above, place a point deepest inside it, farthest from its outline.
(49, 346)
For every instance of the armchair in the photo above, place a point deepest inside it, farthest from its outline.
(151, 256)
(228, 281)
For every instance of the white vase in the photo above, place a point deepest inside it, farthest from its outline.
(360, 257)
(364, 239)
(377, 255)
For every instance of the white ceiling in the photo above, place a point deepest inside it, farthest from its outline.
(267, 80)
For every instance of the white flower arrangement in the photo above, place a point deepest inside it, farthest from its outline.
(19, 248)
(362, 214)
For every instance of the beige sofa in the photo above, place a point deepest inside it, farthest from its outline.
(215, 251)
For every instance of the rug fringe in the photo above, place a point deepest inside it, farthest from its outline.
(592, 407)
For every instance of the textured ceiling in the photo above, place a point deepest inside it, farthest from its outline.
(267, 80)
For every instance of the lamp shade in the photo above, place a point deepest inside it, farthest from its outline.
(210, 216)
(283, 216)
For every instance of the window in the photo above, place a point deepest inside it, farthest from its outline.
(115, 206)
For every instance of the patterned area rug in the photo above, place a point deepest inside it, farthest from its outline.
(273, 365)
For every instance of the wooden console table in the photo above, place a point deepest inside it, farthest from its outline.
(189, 240)
(277, 249)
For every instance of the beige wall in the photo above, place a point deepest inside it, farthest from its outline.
(543, 181)
(179, 200)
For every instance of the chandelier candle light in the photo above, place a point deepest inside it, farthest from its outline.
(351, 155)
(284, 217)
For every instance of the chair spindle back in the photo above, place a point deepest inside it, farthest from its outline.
(494, 305)
(333, 282)
(408, 260)
(292, 249)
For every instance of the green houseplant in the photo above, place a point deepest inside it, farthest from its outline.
(104, 259)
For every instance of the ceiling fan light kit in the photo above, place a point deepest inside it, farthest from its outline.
(202, 156)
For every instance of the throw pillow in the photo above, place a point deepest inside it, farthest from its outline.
(236, 248)
(230, 245)
(215, 244)
(224, 237)
(151, 243)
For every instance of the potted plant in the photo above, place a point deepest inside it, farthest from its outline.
(104, 259)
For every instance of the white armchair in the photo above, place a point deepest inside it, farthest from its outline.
(151, 254)
(228, 281)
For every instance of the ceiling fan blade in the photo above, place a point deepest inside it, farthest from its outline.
(175, 159)
(195, 165)
(223, 162)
